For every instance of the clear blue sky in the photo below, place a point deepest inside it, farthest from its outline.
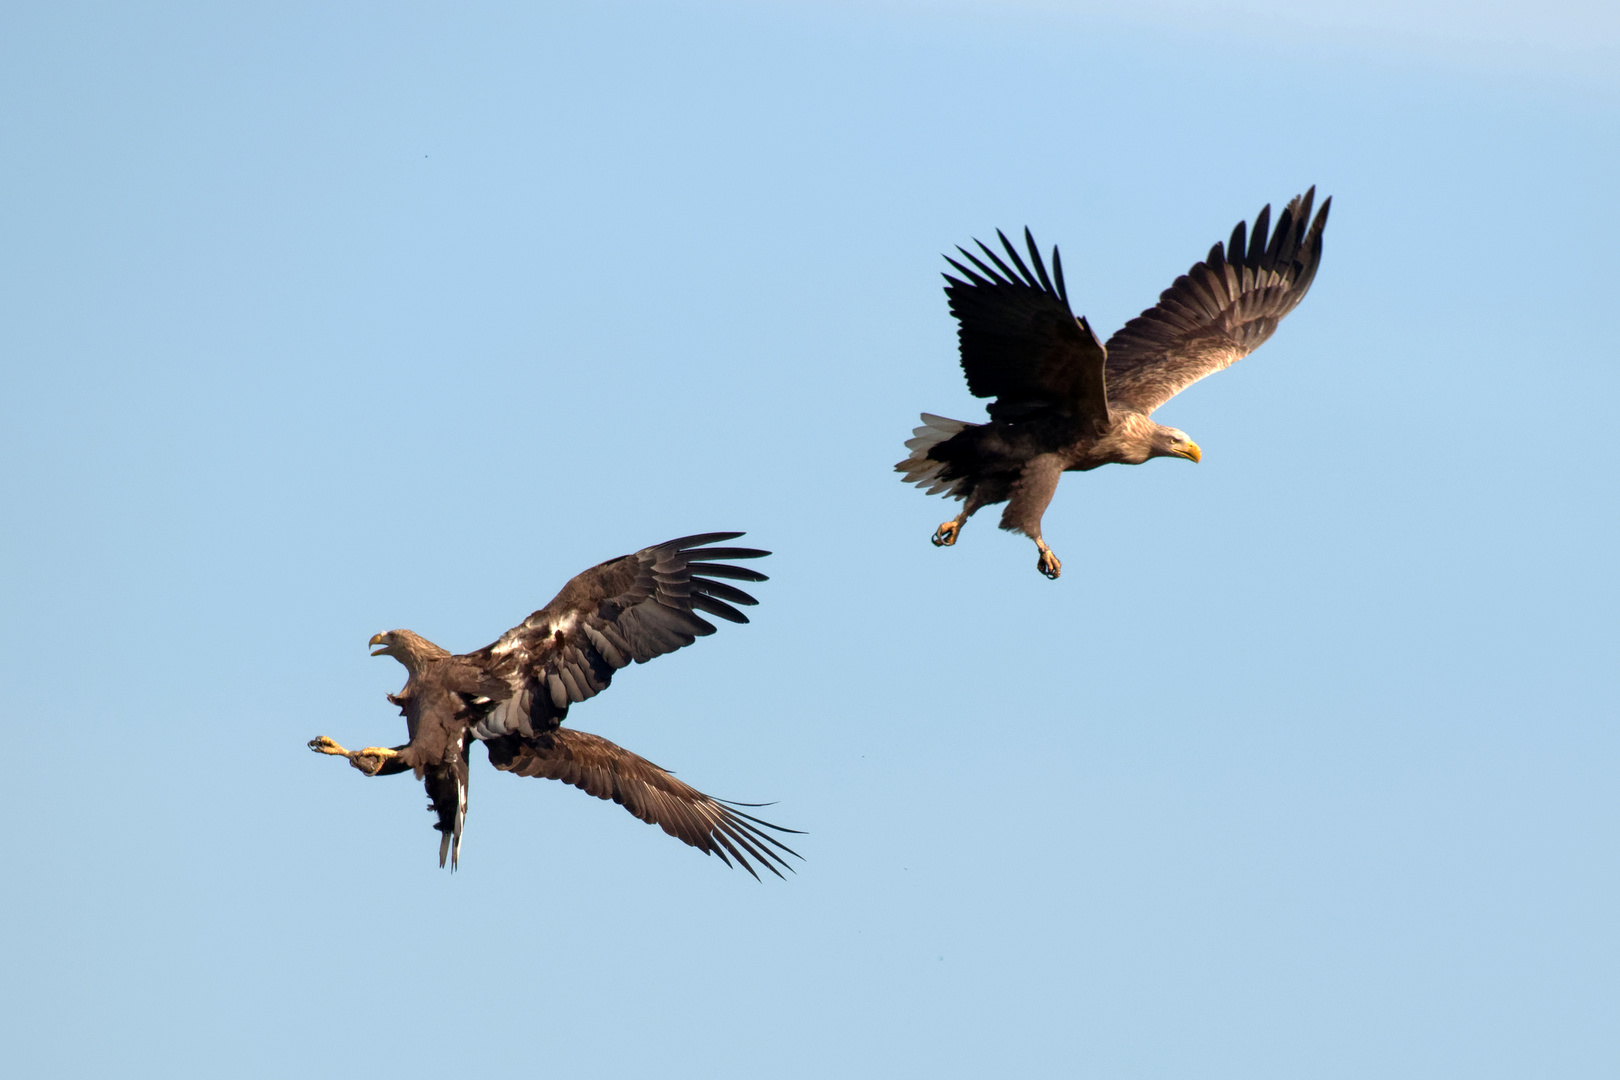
(320, 320)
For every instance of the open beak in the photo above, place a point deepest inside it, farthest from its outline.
(1191, 452)
(377, 639)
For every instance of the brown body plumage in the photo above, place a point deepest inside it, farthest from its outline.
(514, 694)
(1064, 401)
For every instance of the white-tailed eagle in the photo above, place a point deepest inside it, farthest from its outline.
(513, 695)
(1067, 403)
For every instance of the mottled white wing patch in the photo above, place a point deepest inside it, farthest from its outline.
(508, 641)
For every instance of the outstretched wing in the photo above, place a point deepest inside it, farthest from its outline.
(634, 607)
(1219, 311)
(608, 771)
(1020, 342)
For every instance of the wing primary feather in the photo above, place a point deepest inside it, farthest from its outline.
(713, 554)
(750, 839)
(1035, 259)
(1029, 278)
(732, 805)
(990, 277)
(718, 845)
(1258, 239)
(1057, 272)
(718, 838)
(718, 608)
(1321, 217)
(1008, 276)
(700, 539)
(723, 591)
(1313, 250)
(1279, 236)
(957, 283)
(1291, 229)
(1304, 201)
(764, 853)
(721, 570)
(1237, 248)
(741, 838)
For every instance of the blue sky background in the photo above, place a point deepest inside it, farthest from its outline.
(321, 320)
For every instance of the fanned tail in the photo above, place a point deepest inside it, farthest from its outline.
(928, 472)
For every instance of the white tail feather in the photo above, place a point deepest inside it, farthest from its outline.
(924, 471)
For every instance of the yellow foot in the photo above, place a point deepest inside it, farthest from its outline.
(368, 761)
(371, 759)
(1048, 563)
(945, 535)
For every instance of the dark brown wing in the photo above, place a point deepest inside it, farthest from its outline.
(601, 768)
(1219, 311)
(1020, 342)
(634, 607)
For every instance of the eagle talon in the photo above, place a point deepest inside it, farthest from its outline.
(370, 760)
(1048, 563)
(945, 535)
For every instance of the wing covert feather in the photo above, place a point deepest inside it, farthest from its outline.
(1221, 310)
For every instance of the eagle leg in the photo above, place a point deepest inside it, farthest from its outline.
(321, 744)
(369, 761)
(1048, 563)
(945, 535)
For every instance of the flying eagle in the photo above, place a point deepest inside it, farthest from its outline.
(1067, 403)
(514, 694)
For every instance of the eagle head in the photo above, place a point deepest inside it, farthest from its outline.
(1173, 442)
(408, 648)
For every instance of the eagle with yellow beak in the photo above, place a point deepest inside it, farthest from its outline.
(514, 694)
(1067, 403)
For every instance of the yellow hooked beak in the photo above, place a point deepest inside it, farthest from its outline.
(376, 639)
(1191, 452)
